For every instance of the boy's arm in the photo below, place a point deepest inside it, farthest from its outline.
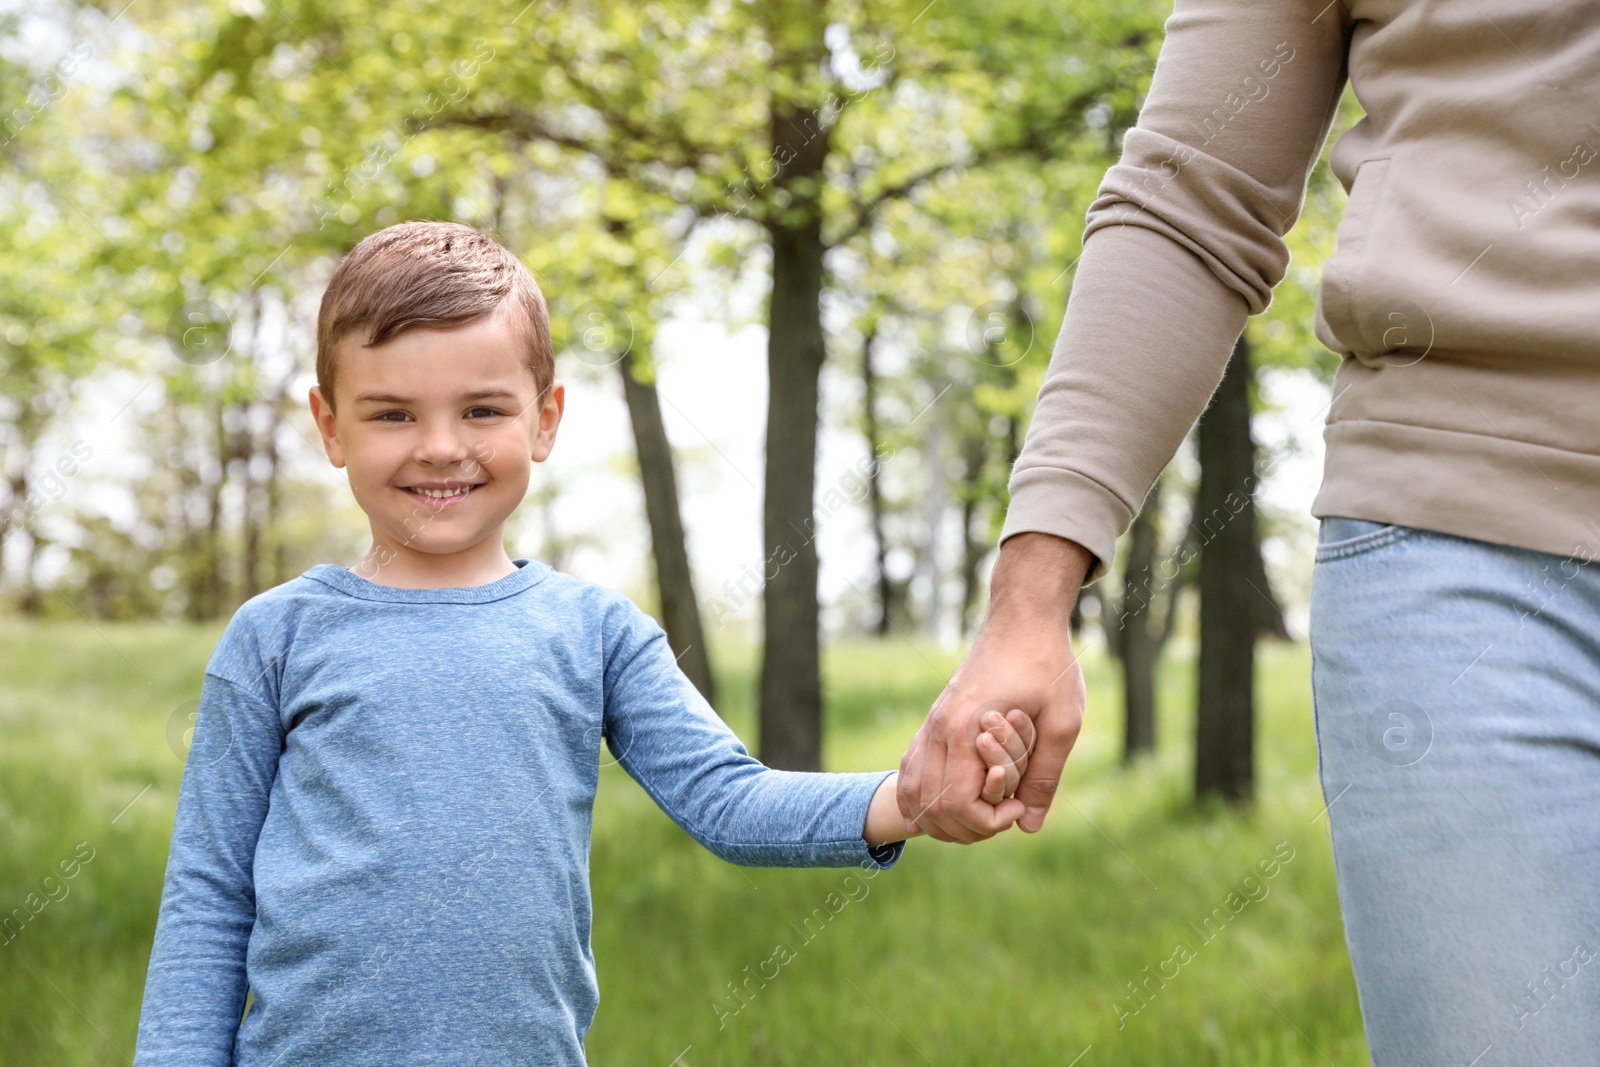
(195, 990)
(672, 743)
(885, 824)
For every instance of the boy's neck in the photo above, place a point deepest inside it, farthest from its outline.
(403, 567)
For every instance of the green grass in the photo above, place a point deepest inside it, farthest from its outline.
(1019, 948)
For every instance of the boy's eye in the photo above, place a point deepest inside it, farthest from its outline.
(481, 412)
(391, 416)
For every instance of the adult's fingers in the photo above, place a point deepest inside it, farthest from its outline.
(959, 809)
(1057, 728)
(1022, 723)
(931, 787)
(908, 784)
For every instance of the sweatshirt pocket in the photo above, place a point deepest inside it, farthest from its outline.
(1343, 297)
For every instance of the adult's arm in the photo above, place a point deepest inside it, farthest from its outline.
(1183, 242)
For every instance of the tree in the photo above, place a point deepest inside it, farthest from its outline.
(48, 325)
(679, 117)
(1236, 600)
(1136, 632)
(783, 129)
(680, 609)
(1225, 517)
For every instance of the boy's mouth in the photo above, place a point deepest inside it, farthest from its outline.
(441, 496)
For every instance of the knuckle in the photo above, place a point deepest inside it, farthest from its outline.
(1058, 733)
(1044, 788)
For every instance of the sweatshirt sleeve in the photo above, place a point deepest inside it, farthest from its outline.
(665, 735)
(1184, 240)
(195, 989)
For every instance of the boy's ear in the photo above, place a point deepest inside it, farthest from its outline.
(322, 412)
(550, 409)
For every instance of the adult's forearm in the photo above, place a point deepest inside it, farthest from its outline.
(1035, 582)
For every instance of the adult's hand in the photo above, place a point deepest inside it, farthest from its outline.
(1022, 658)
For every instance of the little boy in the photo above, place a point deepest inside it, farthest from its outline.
(382, 833)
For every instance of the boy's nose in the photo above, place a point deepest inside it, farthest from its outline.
(442, 444)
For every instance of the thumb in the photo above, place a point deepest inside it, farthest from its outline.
(1037, 790)
(906, 785)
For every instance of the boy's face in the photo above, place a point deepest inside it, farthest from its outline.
(438, 429)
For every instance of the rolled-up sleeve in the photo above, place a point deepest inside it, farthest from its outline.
(1182, 243)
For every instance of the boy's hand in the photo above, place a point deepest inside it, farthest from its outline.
(1004, 745)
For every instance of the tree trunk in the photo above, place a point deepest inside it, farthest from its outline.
(680, 610)
(869, 383)
(791, 675)
(1225, 519)
(205, 600)
(975, 454)
(274, 490)
(251, 509)
(1269, 613)
(1138, 644)
(29, 601)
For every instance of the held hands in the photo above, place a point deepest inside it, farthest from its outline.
(1003, 744)
(1023, 658)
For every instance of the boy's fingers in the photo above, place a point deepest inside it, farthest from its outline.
(995, 786)
(999, 754)
(1027, 736)
(992, 746)
(1017, 741)
(1005, 742)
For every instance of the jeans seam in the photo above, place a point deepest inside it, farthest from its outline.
(1366, 543)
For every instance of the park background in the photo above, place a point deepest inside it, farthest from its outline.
(805, 264)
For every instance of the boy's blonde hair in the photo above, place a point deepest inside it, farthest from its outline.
(429, 274)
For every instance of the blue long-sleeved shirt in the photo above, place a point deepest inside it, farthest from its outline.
(383, 826)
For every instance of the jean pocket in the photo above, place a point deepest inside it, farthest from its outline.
(1341, 538)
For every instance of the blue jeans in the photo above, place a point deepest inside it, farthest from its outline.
(1457, 694)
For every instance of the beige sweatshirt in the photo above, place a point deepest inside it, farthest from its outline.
(1464, 291)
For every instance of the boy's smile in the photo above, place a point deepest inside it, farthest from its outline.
(441, 496)
(438, 430)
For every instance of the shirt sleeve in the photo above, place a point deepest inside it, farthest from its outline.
(665, 735)
(194, 992)
(1183, 242)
